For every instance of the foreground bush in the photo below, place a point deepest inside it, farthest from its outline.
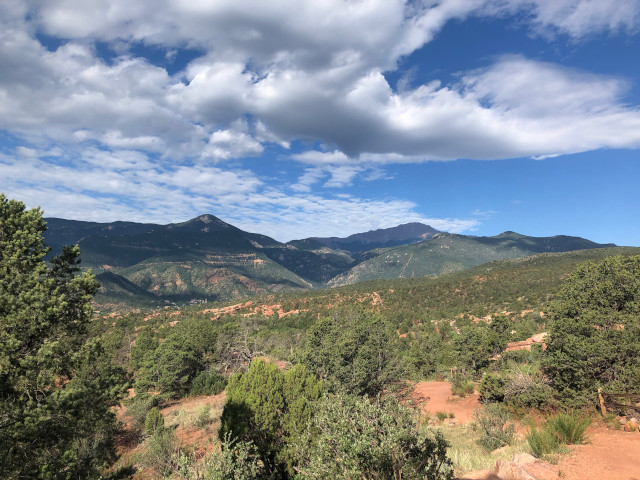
(569, 427)
(354, 438)
(562, 429)
(57, 386)
(270, 408)
(495, 427)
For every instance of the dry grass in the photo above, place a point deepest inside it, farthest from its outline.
(467, 455)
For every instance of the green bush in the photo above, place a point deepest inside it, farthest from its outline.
(270, 408)
(496, 429)
(154, 421)
(442, 416)
(234, 460)
(204, 417)
(491, 388)
(462, 385)
(353, 438)
(208, 383)
(569, 427)
(557, 430)
(543, 441)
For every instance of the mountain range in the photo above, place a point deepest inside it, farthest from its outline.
(207, 259)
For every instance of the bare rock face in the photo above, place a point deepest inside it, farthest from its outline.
(524, 459)
(511, 471)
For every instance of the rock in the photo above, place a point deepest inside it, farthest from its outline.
(511, 471)
(539, 338)
(524, 459)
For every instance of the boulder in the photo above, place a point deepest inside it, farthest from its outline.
(524, 459)
(511, 471)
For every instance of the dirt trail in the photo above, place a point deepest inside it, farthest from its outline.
(609, 455)
(437, 397)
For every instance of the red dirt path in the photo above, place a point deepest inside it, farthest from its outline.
(437, 397)
(609, 455)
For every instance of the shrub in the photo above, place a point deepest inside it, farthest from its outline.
(527, 388)
(204, 417)
(353, 438)
(543, 441)
(441, 416)
(491, 389)
(569, 427)
(557, 430)
(269, 408)
(462, 385)
(352, 354)
(208, 383)
(139, 406)
(162, 453)
(154, 421)
(236, 460)
(495, 427)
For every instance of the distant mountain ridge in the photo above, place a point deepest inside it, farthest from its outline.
(446, 253)
(208, 259)
(385, 237)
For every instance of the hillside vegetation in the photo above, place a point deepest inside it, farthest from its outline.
(206, 259)
(315, 384)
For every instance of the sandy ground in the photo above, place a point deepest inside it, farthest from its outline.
(609, 455)
(437, 397)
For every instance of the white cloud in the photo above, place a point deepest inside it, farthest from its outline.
(126, 132)
(315, 77)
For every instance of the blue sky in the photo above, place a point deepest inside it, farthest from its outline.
(330, 117)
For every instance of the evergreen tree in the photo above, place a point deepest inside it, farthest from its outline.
(56, 386)
(353, 354)
(270, 408)
(595, 331)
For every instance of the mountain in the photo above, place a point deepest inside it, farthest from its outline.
(446, 253)
(207, 259)
(385, 237)
(202, 259)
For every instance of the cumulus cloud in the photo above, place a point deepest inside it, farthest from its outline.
(276, 73)
(314, 77)
(99, 186)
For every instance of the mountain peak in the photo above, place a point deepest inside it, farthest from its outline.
(404, 234)
(204, 223)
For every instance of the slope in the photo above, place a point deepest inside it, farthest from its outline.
(445, 253)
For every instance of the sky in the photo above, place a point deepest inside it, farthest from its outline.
(327, 117)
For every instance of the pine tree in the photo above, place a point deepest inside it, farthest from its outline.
(56, 385)
(595, 331)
